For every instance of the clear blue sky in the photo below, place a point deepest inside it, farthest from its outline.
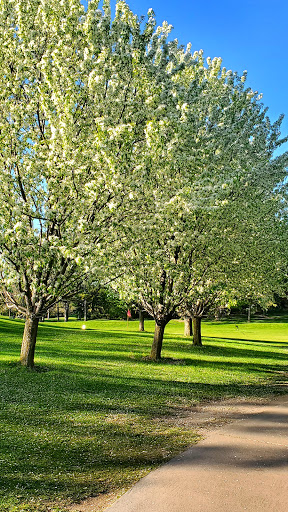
(248, 35)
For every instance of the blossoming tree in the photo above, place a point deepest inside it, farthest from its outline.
(77, 91)
(114, 144)
(212, 157)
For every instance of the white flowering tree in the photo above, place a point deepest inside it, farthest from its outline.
(77, 92)
(251, 272)
(113, 138)
(211, 157)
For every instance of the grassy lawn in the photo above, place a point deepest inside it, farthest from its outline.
(88, 420)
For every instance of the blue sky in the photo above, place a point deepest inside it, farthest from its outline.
(248, 35)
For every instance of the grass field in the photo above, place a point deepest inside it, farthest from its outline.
(88, 420)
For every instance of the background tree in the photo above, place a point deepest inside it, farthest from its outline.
(250, 269)
(214, 158)
(100, 302)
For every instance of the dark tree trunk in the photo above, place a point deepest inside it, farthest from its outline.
(155, 353)
(58, 313)
(29, 342)
(141, 320)
(188, 331)
(85, 310)
(197, 331)
(66, 311)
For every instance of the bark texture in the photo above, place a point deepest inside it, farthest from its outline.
(249, 314)
(155, 353)
(141, 320)
(66, 311)
(29, 342)
(197, 331)
(188, 331)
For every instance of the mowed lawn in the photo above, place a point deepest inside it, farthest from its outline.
(89, 419)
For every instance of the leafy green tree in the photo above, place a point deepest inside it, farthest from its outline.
(94, 300)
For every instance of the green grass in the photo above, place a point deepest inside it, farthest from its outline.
(88, 420)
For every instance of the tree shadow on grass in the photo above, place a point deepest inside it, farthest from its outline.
(247, 340)
(46, 466)
(73, 390)
(57, 443)
(91, 422)
(73, 434)
(231, 358)
(45, 451)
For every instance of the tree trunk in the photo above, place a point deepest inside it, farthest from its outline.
(141, 320)
(66, 311)
(85, 310)
(249, 314)
(197, 331)
(58, 313)
(188, 331)
(29, 342)
(155, 353)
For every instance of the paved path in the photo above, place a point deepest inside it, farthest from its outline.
(240, 467)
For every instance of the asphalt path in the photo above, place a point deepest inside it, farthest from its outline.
(240, 467)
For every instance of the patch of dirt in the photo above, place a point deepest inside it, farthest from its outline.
(97, 504)
(206, 417)
(203, 419)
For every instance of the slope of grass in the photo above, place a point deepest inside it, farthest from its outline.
(88, 420)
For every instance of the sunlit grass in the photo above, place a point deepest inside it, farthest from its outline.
(88, 420)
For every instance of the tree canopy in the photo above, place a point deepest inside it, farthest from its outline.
(118, 145)
(78, 90)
